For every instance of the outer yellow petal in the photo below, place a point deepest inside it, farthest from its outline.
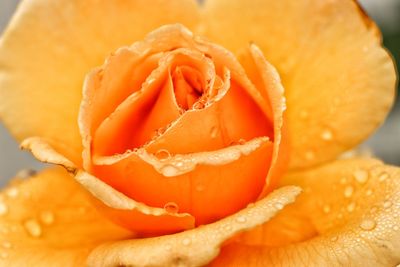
(349, 215)
(194, 247)
(47, 220)
(49, 47)
(339, 81)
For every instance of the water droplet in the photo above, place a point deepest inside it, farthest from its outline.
(334, 238)
(171, 207)
(227, 227)
(343, 180)
(47, 217)
(163, 154)
(6, 244)
(186, 241)
(33, 228)
(82, 210)
(241, 219)
(214, 132)
(3, 255)
(348, 191)
(396, 228)
(278, 206)
(383, 176)
(303, 114)
(368, 224)
(169, 170)
(309, 155)
(327, 135)
(387, 204)
(351, 207)
(3, 208)
(12, 192)
(361, 176)
(200, 188)
(326, 208)
(251, 205)
(369, 192)
(374, 209)
(168, 247)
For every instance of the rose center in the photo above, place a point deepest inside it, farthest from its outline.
(188, 86)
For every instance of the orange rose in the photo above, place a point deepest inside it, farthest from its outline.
(176, 131)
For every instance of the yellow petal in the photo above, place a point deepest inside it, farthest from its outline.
(49, 47)
(339, 81)
(193, 247)
(348, 215)
(47, 220)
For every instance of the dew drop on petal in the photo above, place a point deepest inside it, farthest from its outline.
(327, 135)
(309, 155)
(343, 180)
(171, 207)
(326, 208)
(368, 224)
(361, 176)
(334, 238)
(351, 207)
(169, 170)
(383, 176)
(12, 192)
(278, 206)
(3, 208)
(3, 255)
(163, 154)
(241, 219)
(47, 217)
(200, 188)
(186, 241)
(168, 247)
(214, 132)
(368, 192)
(396, 228)
(348, 191)
(33, 228)
(387, 204)
(6, 244)
(303, 114)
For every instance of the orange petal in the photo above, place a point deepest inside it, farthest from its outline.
(49, 47)
(195, 247)
(191, 181)
(349, 214)
(43, 226)
(121, 209)
(339, 81)
(267, 81)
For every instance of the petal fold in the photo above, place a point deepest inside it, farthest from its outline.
(47, 220)
(348, 215)
(339, 80)
(119, 208)
(49, 47)
(195, 247)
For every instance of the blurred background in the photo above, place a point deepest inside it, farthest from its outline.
(385, 143)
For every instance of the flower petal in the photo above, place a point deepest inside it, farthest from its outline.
(50, 46)
(339, 81)
(47, 220)
(195, 247)
(121, 209)
(348, 215)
